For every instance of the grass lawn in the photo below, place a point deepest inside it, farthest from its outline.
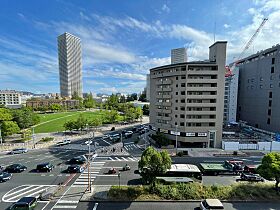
(58, 120)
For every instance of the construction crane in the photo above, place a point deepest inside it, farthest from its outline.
(229, 70)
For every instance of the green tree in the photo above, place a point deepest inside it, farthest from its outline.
(138, 113)
(5, 115)
(153, 163)
(25, 117)
(76, 96)
(112, 102)
(270, 167)
(146, 109)
(129, 114)
(143, 97)
(81, 122)
(55, 107)
(70, 125)
(9, 128)
(96, 121)
(122, 99)
(89, 102)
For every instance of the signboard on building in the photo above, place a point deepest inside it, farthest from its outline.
(175, 133)
(202, 134)
(190, 134)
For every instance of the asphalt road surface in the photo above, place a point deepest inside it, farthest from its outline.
(172, 205)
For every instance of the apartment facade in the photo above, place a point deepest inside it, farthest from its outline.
(187, 100)
(259, 89)
(10, 98)
(70, 64)
(178, 55)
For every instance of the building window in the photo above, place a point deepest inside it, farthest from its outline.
(272, 69)
(182, 124)
(268, 121)
(176, 93)
(183, 84)
(183, 77)
(182, 116)
(176, 108)
(273, 61)
(269, 103)
(269, 112)
(175, 123)
(182, 108)
(261, 86)
(261, 79)
(183, 100)
(183, 92)
(176, 101)
(176, 78)
(176, 85)
(211, 124)
(271, 86)
(270, 94)
(176, 116)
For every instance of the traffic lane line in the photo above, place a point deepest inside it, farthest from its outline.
(95, 206)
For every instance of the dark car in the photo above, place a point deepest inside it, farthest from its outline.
(15, 168)
(44, 167)
(251, 177)
(25, 203)
(75, 169)
(77, 160)
(4, 176)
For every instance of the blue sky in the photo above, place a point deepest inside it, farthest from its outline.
(122, 39)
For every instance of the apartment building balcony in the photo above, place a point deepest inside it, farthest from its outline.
(163, 103)
(166, 96)
(202, 80)
(167, 89)
(200, 104)
(200, 112)
(206, 72)
(201, 120)
(165, 111)
(202, 96)
(202, 88)
(163, 118)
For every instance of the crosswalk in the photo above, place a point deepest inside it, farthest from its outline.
(126, 158)
(95, 168)
(25, 191)
(130, 147)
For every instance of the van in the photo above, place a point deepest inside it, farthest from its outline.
(212, 204)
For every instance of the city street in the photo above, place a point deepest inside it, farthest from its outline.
(173, 205)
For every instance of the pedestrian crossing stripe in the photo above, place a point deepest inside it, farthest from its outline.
(25, 191)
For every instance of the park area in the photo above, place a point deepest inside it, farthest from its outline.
(54, 122)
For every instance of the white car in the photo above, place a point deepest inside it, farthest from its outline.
(106, 137)
(88, 142)
(211, 204)
(19, 151)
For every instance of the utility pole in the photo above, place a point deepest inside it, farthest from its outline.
(176, 139)
(33, 137)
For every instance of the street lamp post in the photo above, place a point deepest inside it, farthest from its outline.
(176, 139)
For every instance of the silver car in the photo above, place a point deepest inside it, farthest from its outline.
(19, 151)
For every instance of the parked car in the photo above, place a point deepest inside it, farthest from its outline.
(116, 137)
(25, 203)
(19, 151)
(251, 177)
(5, 176)
(64, 142)
(44, 167)
(112, 171)
(87, 142)
(211, 204)
(104, 137)
(15, 168)
(77, 160)
(128, 134)
(75, 169)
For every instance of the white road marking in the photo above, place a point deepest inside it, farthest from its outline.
(65, 201)
(106, 142)
(64, 207)
(118, 159)
(95, 206)
(124, 159)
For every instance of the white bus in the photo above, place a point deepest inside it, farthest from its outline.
(182, 173)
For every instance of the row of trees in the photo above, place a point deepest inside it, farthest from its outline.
(12, 121)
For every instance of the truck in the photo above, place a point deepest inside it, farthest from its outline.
(228, 167)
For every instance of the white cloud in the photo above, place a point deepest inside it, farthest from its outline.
(84, 17)
(21, 15)
(165, 8)
(226, 26)
(108, 90)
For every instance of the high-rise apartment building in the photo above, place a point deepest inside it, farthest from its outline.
(178, 55)
(187, 99)
(259, 89)
(70, 64)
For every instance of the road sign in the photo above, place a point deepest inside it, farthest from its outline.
(277, 137)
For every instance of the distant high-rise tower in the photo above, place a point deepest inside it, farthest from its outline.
(178, 55)
(70, 64)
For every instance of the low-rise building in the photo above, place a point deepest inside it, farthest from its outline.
(39, 103)
(10, 98)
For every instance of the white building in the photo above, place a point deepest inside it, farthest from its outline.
(231, 95)
(10, 98)
(70, 65)
(178, 55)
